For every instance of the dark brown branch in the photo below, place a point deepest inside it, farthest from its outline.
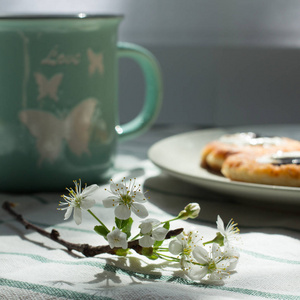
(85, 249)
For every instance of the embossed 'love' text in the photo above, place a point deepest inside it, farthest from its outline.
(55, 58)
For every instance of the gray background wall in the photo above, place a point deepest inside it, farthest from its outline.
(224, 62)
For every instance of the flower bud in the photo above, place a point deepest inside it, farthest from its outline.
(190, 211)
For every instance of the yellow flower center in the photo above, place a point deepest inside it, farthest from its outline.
(212, 265)
(187, 251)
(126, 199)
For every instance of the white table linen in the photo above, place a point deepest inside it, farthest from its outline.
(34, 267)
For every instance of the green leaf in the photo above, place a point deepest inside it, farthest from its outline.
(122, 223)
(101, 230)
(119, 223)
(154, 256)
(167, 225)
(157, 244)
(127, 228)
(147, 251)
(122, 252)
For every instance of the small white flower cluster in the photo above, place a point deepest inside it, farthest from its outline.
(151, 232)
(212, 260)
(214, 263)
(126, 199)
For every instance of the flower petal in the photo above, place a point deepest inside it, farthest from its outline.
(180, 237)
(124, 244)
(233, 264)
(112, 238)
(77, 215)
(110, 201)
(122, 212)
(117, 188)
(152, 221)
(122, 240)
(223, 265)
(146, 241)
(220, 224)
(145, 228)
(68, 212)
(139, 197)
(117, 238)
(198, 272)
(233, 256)
(90, 190)
(159, 234)
(147, 225)
(87, 203)
(140, 210)
(217, 277)
(175, 247)
(216, 252)
(122, 188)
(201, 255)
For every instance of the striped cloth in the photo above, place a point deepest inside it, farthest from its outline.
(33, 267)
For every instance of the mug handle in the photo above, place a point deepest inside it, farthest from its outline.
(153, 98)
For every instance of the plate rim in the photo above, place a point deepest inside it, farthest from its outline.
(217, 179)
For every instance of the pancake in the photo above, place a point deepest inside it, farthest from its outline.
(216, 152)
(280, 168)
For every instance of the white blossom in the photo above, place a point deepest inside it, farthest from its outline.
(233, 255)
(230, 232)
(78, 199)
(183, 246)
(117, 238)
(214, 264)
(126, 199)
(151, 232)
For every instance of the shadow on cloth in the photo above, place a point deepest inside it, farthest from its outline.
(171, 195)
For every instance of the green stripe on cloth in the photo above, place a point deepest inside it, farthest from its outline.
(161, 278)
(252, 253)
(43, 289)
(267, 257)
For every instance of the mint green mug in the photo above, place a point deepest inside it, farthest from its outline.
(59, 99)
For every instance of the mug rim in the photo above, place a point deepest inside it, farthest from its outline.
(76, 16)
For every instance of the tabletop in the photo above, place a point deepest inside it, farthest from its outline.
(35, 267)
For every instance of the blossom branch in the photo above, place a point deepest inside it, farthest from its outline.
(86, 249)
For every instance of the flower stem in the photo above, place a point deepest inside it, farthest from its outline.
(135, 237)
(167, 257)
(163, 250)
(209, 242)
(170, 258)
(98, 220)
(174, 219)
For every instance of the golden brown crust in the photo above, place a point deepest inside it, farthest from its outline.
(246, 168)
(216, 152)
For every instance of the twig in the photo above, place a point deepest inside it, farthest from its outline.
(85, 249)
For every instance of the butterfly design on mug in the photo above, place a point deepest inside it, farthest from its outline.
(96, 61)
(48, 87)
(50, 131)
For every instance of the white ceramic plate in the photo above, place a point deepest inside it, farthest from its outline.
(179, 156)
